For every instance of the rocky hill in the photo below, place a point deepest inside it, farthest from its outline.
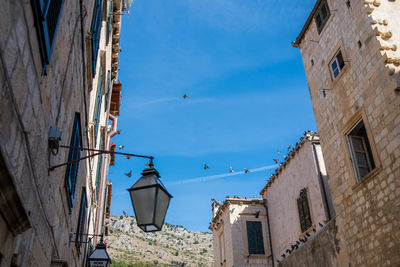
(173, 246)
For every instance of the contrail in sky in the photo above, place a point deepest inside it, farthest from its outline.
(218, 176)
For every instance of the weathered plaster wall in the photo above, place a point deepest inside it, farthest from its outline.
(300, 172)
(368, 211)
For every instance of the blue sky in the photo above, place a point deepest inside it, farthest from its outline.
(247, 90)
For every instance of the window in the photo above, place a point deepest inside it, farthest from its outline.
(360, 151)
(74, 154)
(304, 211)
(336, 64)
(107, 95)
(109, 22)
(46, 14)
(95, 30)
(255, 237)
(97, 105)
(99, 168)
(81, 221)
(322, 15)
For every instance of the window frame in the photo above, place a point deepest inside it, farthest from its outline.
(319, 14)
(367, 151)
(304, 211)
(72, 169)
(97, 105)
(340, 64)
(254, 249)
(81, 223)
(95, 32)
(46, 25)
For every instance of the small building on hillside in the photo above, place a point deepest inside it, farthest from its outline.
(240, 233)
(298, 198)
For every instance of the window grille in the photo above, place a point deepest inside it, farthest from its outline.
(304, 211)
(74, 154)
(255, 237)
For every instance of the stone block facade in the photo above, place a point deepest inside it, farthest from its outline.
(364, 95)
(230, 232)
(36, 219)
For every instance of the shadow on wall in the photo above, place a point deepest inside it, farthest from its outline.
(322, 249)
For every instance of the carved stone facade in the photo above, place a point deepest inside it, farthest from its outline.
(353, 72)
(46, 79)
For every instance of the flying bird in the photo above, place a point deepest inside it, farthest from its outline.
(276, 161)
(206, 166)
(231, 169)
(185, 96)
(121, 147)
(246, 170)
(129, 174)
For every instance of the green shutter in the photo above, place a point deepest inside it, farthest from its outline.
(97, 106)
(255, 237)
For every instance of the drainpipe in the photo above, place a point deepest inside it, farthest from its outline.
(321, 180)
(269, 232)
(113, 130)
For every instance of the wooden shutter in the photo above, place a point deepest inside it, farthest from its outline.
(81, 220)
(74, 154)
(360, 157)
(304, 211)
(95, 30)
(97, 106)
(99, 168)
(255, 237)
(47, 15)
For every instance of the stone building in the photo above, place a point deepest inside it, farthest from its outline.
(298, 198)
(240, 233)
(58, 70)
(351, 57)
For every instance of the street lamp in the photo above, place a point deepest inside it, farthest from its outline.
(150, 200)
(99, 257)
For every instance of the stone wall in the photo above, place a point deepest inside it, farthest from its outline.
(321, 249)
(230, 224)
(368, 88)
(31, 102)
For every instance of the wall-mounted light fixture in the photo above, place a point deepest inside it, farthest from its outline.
(150, 199)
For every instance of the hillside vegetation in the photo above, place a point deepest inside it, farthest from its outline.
(173, 246)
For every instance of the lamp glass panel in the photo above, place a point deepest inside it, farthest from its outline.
(143, 201)
(162, 206)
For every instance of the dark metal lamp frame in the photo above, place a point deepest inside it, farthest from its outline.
(128, 155)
